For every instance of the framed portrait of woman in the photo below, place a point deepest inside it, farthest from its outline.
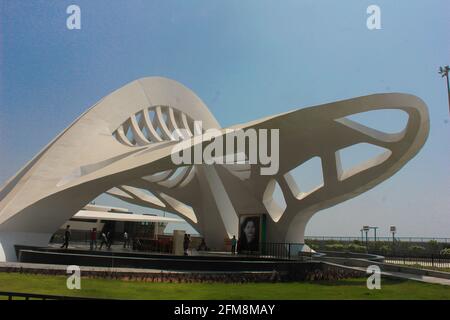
(249, 233)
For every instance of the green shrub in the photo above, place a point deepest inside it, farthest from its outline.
(355, 248)
(385, 249)
(335, 247)
(445, 251)
(433, 245)
(416, 249)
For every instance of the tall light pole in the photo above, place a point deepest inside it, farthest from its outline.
(443, 71)
(366, 230)
(393, 229)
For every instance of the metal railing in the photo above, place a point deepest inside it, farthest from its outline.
(371, 238)
(434, 261)
(152, 245)
(279, 250)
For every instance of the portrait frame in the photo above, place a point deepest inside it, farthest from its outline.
(250, 231)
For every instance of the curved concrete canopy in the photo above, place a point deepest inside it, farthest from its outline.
(122, 145)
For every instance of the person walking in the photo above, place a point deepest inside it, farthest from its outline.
(233, 245)
(104, 240)
(109, 240)
(94, 239)
(66, 237)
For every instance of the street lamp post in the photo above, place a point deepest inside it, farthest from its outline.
(443, 71)
(366, 230)
(367, 240)
(393, 229)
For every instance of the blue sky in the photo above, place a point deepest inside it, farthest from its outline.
(246, 60)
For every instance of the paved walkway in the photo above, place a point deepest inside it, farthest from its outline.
(417, 277)
(403, 275)
(120, 249)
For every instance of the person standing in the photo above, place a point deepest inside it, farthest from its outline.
(189, 242)
(66, 237)
(94, 239)
(126, 240)
(186, 244)
(233, 244)
(202, 246)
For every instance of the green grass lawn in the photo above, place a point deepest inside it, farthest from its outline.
(342, 289)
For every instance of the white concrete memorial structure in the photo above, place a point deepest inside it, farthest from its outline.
(122, 146)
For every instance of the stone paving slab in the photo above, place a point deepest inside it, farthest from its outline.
(407, 276)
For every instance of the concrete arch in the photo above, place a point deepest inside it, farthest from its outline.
(94, 155)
